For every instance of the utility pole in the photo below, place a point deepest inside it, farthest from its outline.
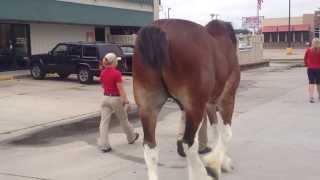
(289, 49)
(212, 15)
(169, 13)
(289, 32)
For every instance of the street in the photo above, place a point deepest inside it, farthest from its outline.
(275, 132)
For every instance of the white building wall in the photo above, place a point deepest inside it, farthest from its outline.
(123, 4)
(156, 11)
(45, 36)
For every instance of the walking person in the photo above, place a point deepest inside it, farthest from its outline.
(114, 101)
(202, 136)
(312, 62)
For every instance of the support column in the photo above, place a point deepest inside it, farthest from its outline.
(286, 37)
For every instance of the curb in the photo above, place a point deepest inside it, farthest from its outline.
(8, 136)
(17, 133)
(5, 78)
(244, 67)
(12, 77)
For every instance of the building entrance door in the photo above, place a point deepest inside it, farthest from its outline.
(100, 34)
(14, 46)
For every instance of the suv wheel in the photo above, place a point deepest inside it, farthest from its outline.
(37, 71)
(84, 75)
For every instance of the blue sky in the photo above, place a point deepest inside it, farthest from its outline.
(232, 10)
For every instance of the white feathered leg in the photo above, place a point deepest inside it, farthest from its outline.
(151, 156)
(227, 165)
(196, 168)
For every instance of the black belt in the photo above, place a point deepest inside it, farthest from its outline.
(110, 94)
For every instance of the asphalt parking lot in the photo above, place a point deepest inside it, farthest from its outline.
(275, 131)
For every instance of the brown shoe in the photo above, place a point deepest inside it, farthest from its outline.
(136, 138)
(106, 150)
(205, 150)
(180, 149)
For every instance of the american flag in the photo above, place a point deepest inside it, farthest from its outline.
(260, 3)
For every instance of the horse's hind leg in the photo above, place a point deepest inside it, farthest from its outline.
(150, 102)
(227, 104)
(214, 160)
(196, 167)
(227, 108)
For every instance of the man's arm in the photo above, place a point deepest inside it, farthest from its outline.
(123, 94)
(306, 57)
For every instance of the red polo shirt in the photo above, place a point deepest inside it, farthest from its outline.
(109, 78)
(312, 59)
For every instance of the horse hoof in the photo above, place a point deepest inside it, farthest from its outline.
(227, 165)
(180, 148)
(227, 169)
(212, 173)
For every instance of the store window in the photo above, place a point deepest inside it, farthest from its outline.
(306, 36)
(14, 46)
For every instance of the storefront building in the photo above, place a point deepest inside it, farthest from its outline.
(36, 26)
(303, 29)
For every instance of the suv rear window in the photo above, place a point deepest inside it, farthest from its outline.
(90, 52)
(103, 50)
(75, 50)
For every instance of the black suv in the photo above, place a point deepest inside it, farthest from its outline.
(83, 59)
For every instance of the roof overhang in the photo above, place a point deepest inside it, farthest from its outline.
(51, 11)
(301, 27)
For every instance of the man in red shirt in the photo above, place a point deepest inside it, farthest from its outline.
(114, 100)
(312, 62)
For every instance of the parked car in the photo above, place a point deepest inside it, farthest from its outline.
(125, 65)
(83, 59)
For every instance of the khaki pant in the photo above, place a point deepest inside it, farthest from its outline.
(202, 136)
(113, 105)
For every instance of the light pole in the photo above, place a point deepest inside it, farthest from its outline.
(289, 49)
(169, 13)
(289, 32)
(214, 15)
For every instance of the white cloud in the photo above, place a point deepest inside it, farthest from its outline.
(233, 10)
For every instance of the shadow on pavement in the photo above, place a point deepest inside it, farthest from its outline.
(86, 130)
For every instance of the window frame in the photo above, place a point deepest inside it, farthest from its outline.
(89, 57)
(70, 50)
(54, 49)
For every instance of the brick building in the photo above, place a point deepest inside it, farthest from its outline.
(303, 29)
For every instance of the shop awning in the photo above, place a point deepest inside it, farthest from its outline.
(301, 27)
(52, 11)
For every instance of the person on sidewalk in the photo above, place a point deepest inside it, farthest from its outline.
(312, 62)
(114, 101)
(202, 136)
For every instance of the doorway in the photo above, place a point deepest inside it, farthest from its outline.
(100, 34)
(14, 46)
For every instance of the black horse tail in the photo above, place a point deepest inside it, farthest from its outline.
(153, 45)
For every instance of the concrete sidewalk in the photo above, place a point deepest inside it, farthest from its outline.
(28, 105)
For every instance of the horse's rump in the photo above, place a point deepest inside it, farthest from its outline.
(195, 65)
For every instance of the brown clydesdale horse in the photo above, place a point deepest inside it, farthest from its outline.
(198, 67)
